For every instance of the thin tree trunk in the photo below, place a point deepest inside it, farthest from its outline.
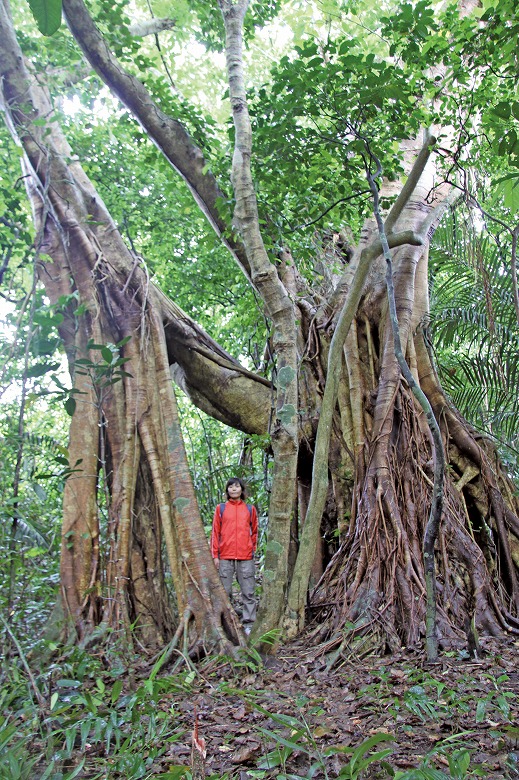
(281, 311)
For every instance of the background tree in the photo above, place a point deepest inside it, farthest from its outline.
(334, 108)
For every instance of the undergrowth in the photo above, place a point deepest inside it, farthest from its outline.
(81, 717)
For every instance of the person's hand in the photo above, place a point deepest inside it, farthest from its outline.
(216, 562)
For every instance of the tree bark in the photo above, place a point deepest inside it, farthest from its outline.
(281, 311)
(125, 427)
(347, 427)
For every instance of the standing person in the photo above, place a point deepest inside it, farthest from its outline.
(233, 543)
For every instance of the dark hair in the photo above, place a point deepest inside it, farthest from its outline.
(234, 481)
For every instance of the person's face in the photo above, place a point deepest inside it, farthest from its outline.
(234, 490)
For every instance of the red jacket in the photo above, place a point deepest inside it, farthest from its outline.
(236, 535)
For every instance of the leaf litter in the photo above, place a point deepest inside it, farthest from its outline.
(291, 717)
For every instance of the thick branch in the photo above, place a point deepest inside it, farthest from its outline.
(169, 135)
(225, 393)
(211, 377)
(151, 27)
(410, 185)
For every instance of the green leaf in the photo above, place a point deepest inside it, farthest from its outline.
(288, 743)
(48, 319)
(40, 491)
(42, 369)
(68, 684)
(511, 195)
(47, 14)
(116, 690)
(35, 552)
(107, 354)
(370, 743)
(502, 110)
(70, 406)
(481, 710)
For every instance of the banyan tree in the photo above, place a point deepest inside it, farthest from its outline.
(344, 164)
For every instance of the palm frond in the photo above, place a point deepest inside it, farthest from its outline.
(29, 532)
(474, 328)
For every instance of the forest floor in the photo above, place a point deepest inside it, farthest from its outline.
(292, 718)
(284, 716)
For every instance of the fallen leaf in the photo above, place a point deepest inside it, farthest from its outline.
(239, 713)
(321, 731)
(246, 753)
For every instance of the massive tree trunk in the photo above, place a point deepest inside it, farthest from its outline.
(131, 492)
(366, 479)
(377, 466)
(375, 583)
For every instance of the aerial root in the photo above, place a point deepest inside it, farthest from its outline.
(375, 584)
(164, 656)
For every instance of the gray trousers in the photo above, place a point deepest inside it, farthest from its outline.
(245, 575)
